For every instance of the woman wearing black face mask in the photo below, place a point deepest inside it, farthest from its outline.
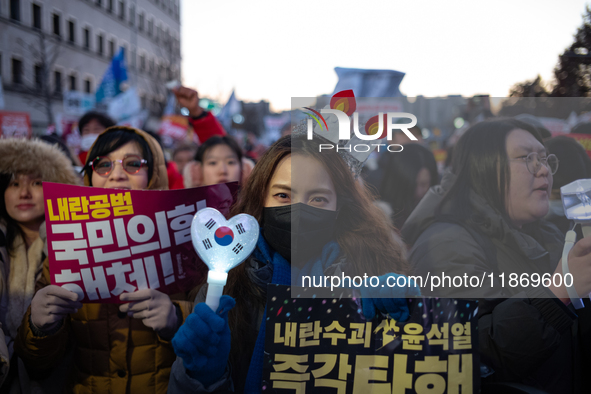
(298, 231)
(317, 219)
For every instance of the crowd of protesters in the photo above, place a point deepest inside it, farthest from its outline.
(495, 208)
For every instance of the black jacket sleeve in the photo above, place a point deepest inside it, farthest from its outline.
(518, 333)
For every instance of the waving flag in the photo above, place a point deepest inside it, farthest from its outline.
(369, 83)
(114, 76)
(232, 107)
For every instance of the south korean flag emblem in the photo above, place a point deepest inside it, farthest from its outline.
(223, 244)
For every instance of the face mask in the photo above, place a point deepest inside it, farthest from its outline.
(298, 232)
(87, 141)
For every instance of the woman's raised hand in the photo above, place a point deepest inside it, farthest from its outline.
(51, 305)
(189, 99)
(154, 308)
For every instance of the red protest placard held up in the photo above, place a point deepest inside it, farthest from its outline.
(104, 242)
(15, 124)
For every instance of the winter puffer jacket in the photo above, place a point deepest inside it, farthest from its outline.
(21, 268)
(112, 353)
(526, 335)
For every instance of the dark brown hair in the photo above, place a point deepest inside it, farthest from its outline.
(13, 229)
(399, 183)
(364, 236)
(481, 165)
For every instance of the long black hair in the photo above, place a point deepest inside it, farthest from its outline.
(12, 228)
(481, 165)
(361, 231)
(574, 161)
(112, 139)
(102, 119)
(219, 140)
(400, 179)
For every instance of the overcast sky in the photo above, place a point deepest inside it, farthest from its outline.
(274, 51)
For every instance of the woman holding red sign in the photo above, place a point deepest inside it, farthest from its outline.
(126, 348)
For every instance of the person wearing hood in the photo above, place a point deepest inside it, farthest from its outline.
(117, 348)
(486, 218)
(24, 166)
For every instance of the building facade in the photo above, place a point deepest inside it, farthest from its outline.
(50, 47)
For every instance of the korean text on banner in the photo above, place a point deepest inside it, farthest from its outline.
(326, 345)
(104, 242)
(15, 124)
(583, 139)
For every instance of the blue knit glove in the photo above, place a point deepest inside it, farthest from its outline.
(203, 341)
(386, 299)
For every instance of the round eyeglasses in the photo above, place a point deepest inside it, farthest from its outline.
(132, 164)
(534, 162)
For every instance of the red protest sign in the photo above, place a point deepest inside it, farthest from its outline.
(15, 124)
(104, 242)
(583, 139)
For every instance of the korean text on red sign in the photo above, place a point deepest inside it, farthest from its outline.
(104, 242)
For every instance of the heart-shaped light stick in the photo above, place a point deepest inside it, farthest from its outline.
(222, 245)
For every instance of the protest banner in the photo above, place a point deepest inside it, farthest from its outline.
(15, 124)
(556, 126)
(583, 139)
(175, 128)
(325, 345)
(104, 242)
(78, 103)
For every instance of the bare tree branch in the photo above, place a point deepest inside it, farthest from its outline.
(38, 90)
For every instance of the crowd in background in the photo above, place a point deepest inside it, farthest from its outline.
(494, 205)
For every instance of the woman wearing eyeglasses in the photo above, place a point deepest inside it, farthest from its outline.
(118, 348)
(485, 221)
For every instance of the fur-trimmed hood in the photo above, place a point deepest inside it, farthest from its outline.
(159, 179)
(21, 156)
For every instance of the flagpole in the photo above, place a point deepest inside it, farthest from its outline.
(133, 79)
